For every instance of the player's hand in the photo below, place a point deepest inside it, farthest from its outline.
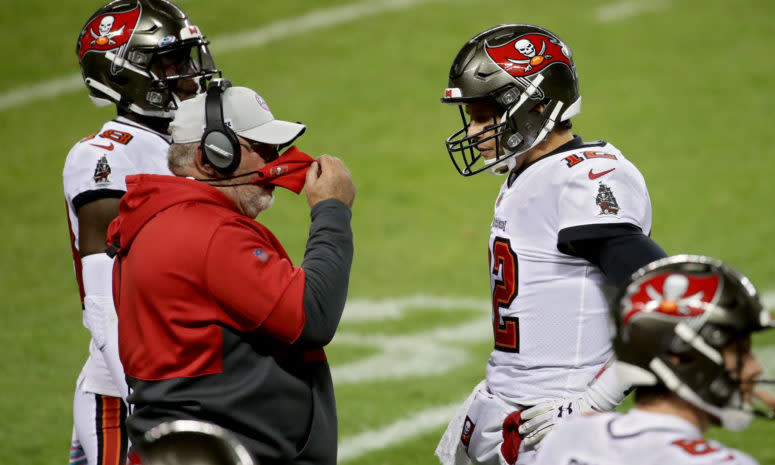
(538, 420)
(328, 178)
(768, 399)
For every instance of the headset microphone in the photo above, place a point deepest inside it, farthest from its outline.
(289, 170)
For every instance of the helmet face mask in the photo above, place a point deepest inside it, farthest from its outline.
(684, 323)
(516, 67)
(463, 148)
(125, 51)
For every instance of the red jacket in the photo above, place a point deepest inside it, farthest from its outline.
(216, 324)
(234, 273)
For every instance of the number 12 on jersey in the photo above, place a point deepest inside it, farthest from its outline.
(504, 266)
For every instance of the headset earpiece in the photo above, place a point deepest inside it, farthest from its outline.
(220, 146)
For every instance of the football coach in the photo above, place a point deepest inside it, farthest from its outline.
(215, 322)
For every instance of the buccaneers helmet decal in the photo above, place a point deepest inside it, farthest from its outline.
(107, 32)
(529, 54)
(674, 295)
(673, 322)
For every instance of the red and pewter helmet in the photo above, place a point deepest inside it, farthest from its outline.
(121, 49)
(515, 66)
(189, 442)
(672, 320)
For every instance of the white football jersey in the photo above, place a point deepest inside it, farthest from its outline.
(550, 317)
(635, 438)
(95, 168)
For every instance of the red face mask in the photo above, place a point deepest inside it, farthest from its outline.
(288, 171)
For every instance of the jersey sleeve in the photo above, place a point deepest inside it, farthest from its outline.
(91, 173)
(256, 285)
(604, 192)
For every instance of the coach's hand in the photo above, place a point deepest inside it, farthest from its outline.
(538, 420)
(328, 178)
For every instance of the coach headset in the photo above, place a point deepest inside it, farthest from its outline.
(220, 146)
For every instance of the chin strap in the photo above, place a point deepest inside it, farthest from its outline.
(501, 167)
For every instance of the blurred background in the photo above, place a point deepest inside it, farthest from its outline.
(682, 87)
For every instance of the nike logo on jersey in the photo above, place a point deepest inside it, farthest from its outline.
(106, 147)
(597, 175)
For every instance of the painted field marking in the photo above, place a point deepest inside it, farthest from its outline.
(628, 9)
(359, 445)
(315, 20)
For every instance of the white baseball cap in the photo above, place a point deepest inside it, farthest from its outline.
(244, 111)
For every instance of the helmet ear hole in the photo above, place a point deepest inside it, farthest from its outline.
(511, 142)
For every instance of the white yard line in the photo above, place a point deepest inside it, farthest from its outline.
(401, 430)
(315, 20)
(620, 11)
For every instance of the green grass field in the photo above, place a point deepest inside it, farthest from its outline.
(682, 87)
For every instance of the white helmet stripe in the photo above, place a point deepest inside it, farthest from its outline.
(531, 89)
(123, 63)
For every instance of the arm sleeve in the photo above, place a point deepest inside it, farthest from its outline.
(256, 286)
(617, 249)
(326, 265)
(100, 313)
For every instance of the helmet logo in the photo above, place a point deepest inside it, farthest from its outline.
(674, 294)
(108, 32)
(529, 54)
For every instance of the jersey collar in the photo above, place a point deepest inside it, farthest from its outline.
(573, 144)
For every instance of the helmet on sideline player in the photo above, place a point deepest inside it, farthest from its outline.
(189, 442)
(672, 320)
(515, 66)
(138, 53)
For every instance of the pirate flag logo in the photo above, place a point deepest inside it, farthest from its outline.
(108, 32)
(102, 171)
(529, 54)
(606, 201)
(675, 295)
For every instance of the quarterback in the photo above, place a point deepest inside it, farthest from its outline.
(572, 219)
(144, 57)
(683, 338)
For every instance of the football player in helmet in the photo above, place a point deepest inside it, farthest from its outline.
(513, 84)
(189, 442)
(683, 338)
(145, 57)
(571, 221)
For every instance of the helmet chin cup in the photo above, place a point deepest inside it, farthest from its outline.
(499, 167)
